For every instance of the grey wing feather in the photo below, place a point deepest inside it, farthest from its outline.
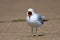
(40, 18)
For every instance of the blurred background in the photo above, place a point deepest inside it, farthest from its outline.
(17, 9)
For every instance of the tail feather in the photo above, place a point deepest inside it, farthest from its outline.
(43, 17)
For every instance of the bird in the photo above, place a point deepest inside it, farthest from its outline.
(34, 20)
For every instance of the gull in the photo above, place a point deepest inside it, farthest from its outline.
(34, 19)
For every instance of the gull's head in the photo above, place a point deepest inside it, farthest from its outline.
(30, 12)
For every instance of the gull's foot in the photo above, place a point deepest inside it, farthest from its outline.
(38, 35)
(33, 35)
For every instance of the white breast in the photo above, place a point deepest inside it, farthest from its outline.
(33, 21)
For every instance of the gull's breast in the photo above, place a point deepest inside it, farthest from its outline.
(33, 21)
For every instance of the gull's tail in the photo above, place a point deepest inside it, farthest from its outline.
(43, 18)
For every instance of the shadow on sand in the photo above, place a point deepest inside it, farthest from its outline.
(35, 35)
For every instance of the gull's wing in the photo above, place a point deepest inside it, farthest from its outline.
(41, 18)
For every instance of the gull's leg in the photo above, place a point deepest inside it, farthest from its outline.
(32, 30)
(36, 30)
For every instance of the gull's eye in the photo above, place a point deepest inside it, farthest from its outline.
(29, 13)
